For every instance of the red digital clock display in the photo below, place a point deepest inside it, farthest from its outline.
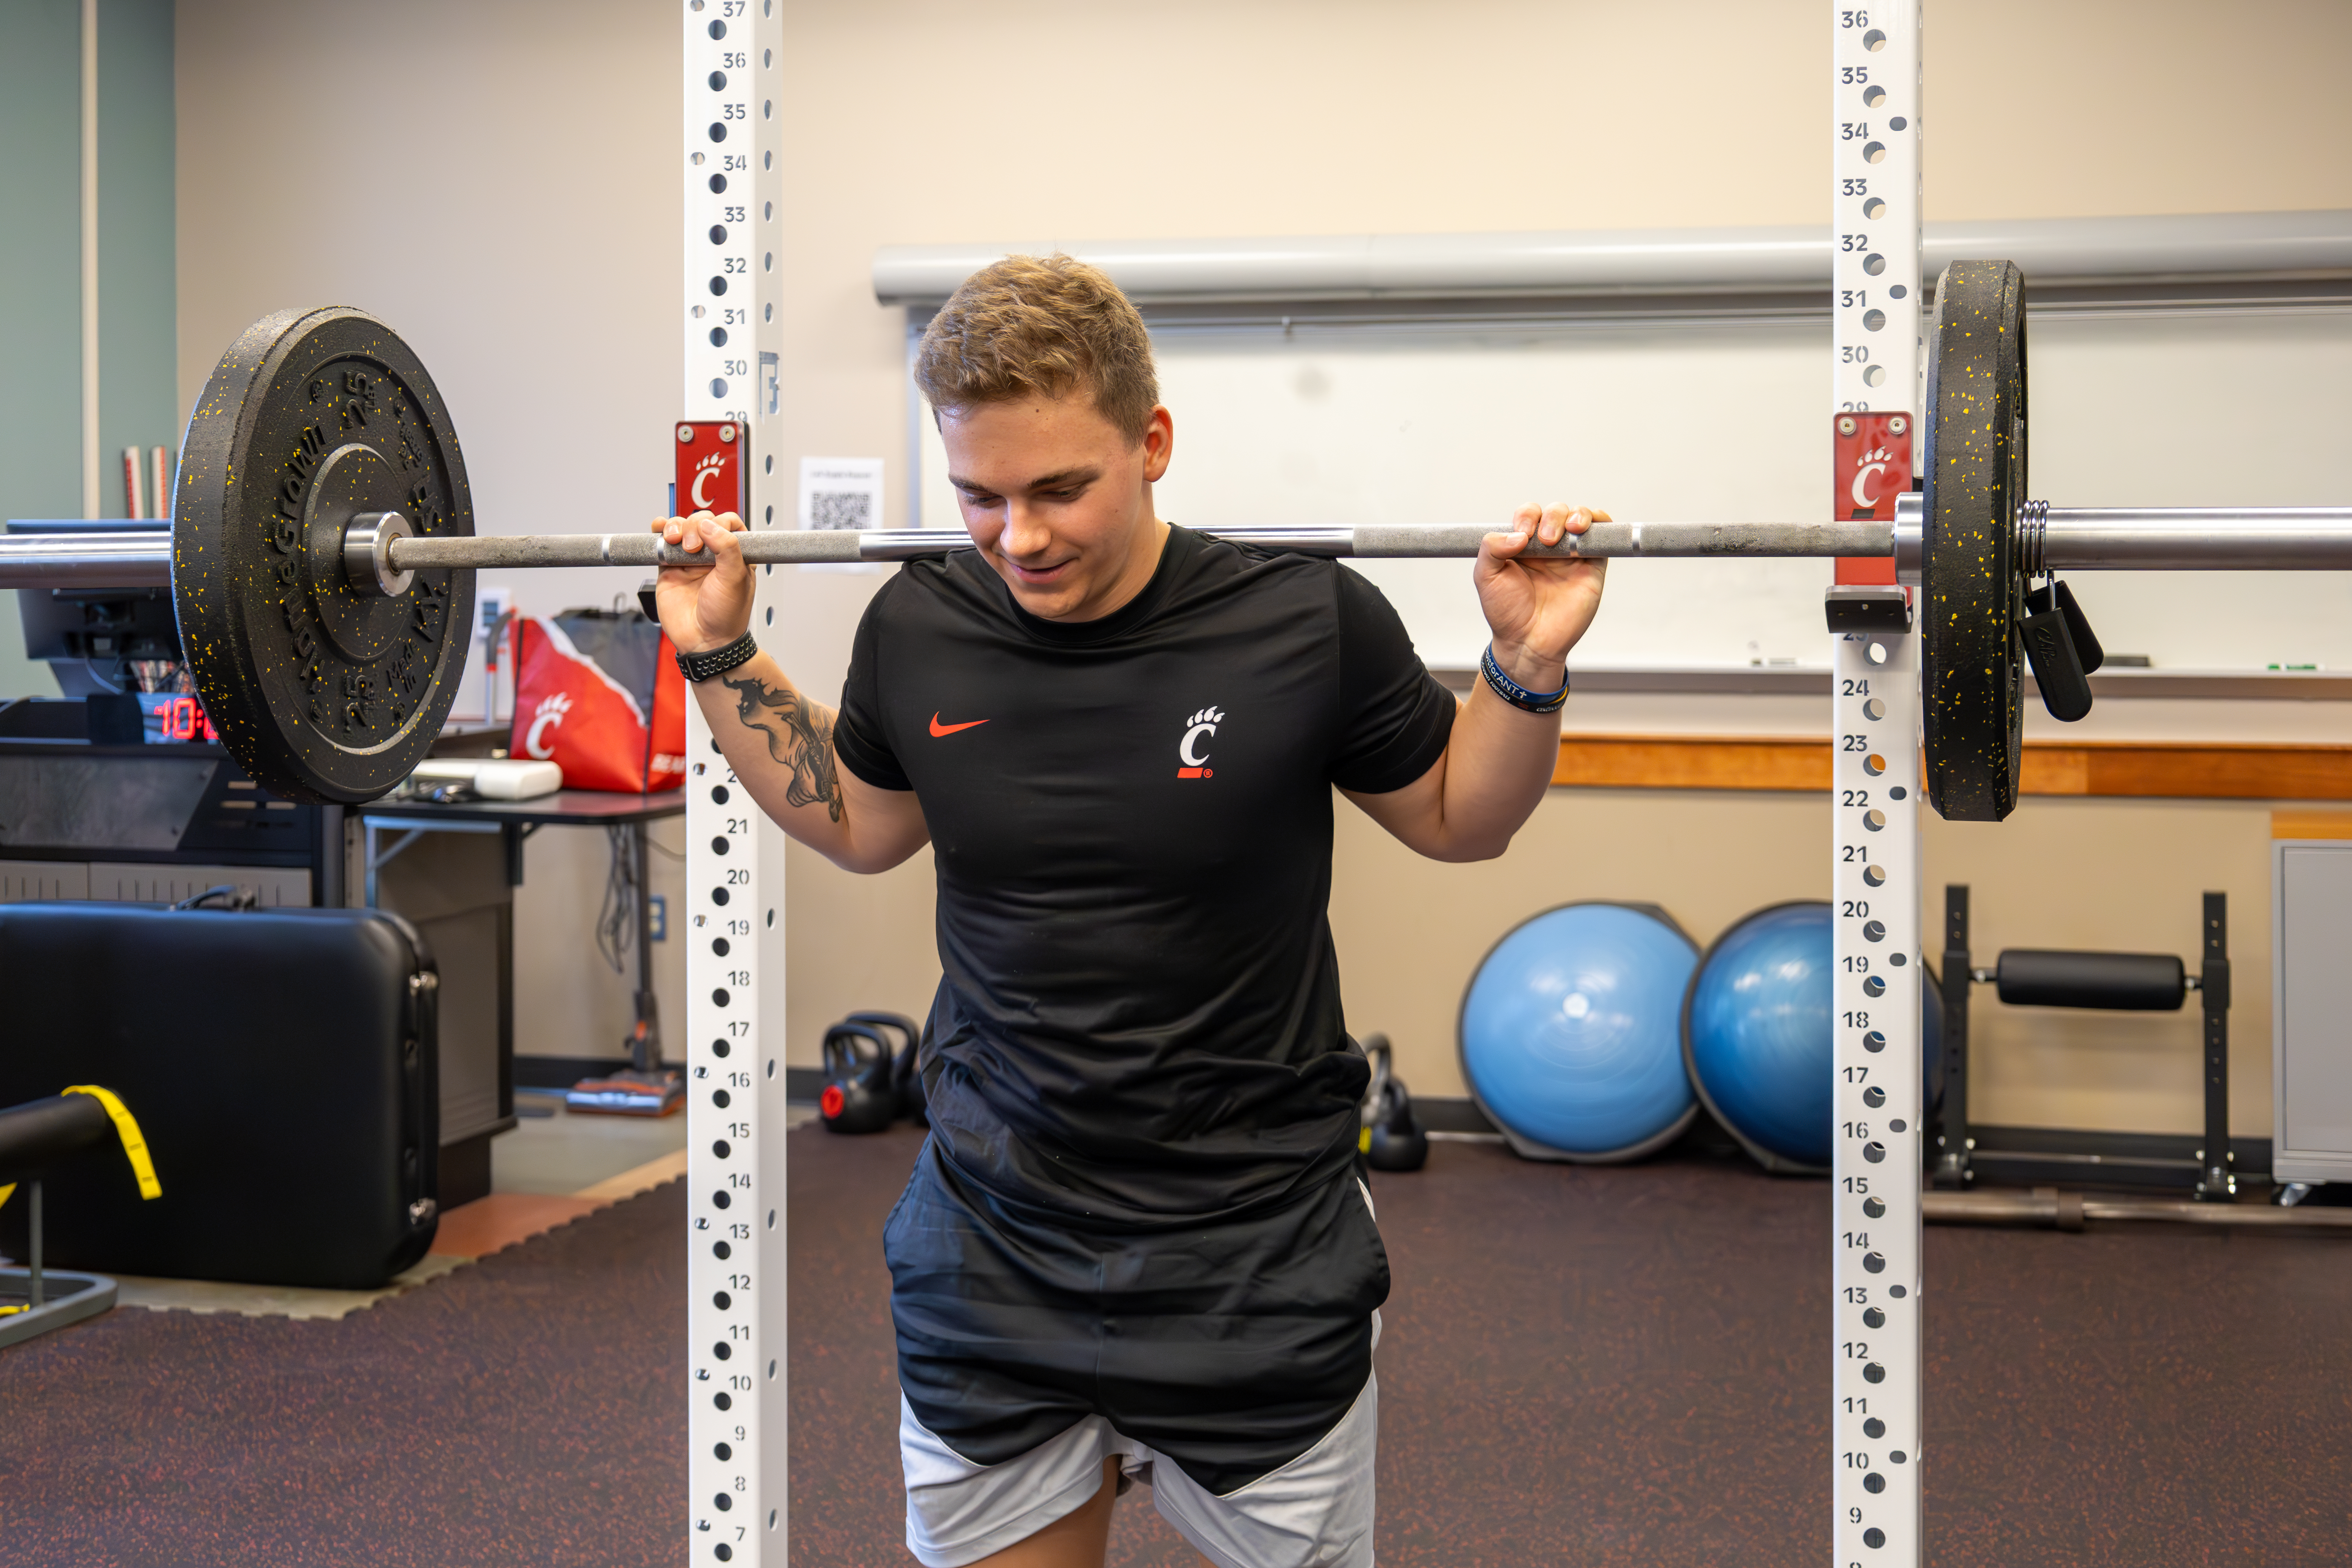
(171, 716)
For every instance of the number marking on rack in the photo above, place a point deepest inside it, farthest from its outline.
(1874, 260)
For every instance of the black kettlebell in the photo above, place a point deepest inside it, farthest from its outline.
(859, 1096)
(906, 1068)
(913, 1101)
(1393, 1138)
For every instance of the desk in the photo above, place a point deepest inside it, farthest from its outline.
(468, 897)
(516, 820)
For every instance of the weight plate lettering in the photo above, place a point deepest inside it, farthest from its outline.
(323, 690)
(1970, 663)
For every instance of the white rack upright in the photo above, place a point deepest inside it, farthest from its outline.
(734, 930)
(1877, 1094)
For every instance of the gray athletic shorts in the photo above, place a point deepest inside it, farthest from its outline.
(1314, 1512)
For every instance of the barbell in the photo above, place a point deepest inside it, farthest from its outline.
(322, 541)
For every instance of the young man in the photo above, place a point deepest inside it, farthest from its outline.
(1134, 1243)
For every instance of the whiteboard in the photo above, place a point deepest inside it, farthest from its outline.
(1728, 420)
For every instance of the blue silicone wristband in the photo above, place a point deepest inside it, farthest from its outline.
(1519, 696)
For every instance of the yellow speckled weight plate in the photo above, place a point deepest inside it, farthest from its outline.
(1971, 666)
(323, 692)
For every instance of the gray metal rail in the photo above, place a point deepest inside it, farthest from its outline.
(2054, 1208)
(85, 561)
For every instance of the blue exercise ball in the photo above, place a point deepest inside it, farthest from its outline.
(1569, 1033)
(1758, 1034)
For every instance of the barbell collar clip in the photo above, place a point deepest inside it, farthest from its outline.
(2032, 537)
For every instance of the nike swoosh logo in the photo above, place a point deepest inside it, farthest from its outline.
(939, 729)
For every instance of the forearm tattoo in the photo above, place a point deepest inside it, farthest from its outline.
(800, 736)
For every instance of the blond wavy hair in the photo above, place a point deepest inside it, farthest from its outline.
(1040, 325)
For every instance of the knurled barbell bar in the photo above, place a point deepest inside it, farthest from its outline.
(322, 539)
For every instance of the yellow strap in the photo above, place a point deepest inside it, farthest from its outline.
(7, 1192)
(134, 1146)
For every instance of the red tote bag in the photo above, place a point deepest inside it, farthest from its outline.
(598, 693)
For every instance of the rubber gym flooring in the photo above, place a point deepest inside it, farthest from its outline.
(1614, 1366)
(1630, 1366)
(526, 1408)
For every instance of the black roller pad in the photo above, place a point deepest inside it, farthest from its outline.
(2115, 982)
(41, 1133)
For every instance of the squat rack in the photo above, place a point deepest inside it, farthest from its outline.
(740, 1382)
(738, 1379)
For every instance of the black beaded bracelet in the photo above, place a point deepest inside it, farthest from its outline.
(700, 667)
(1519, 696)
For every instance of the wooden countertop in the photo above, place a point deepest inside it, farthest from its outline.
(2198, 770)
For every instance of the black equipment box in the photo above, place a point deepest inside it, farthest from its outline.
(282, 1064)
(149, 821)
(129, 803)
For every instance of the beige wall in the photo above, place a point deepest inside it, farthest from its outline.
(1030, 119)
(1319, 118)
(525, 241)
(495, 182)
(568, 1001)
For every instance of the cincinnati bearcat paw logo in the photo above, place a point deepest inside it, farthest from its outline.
(548, 715)
(704, 472)
(1868, 470)
(1197, 729)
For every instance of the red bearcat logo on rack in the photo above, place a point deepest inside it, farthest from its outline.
(1871, 460)
(711, 466)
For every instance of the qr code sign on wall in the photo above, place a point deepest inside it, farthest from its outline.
(852, 510)
(841, 493)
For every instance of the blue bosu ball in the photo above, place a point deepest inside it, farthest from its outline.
(1758, 1034)
(1569, 1033)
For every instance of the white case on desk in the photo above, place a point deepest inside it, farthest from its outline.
(499, 778)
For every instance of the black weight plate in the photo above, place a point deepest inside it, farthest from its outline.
(1971, 666)
(324, 692)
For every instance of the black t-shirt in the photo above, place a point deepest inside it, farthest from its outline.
(1139, 1017)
